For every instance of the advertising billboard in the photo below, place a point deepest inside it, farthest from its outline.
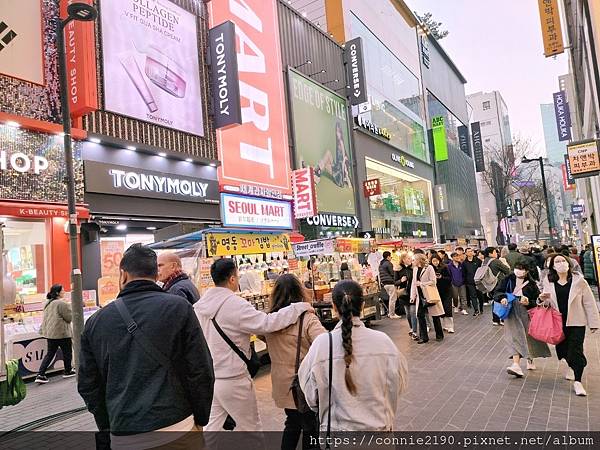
(584, 159)
(322, 141)
(151, 69)
(255, 153)
(439, 138)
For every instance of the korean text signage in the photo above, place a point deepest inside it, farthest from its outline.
(596, 247)
(355, 66)
(509, 208)
(305, 195)
(120, 180)
(441, 197)
(256, 152)
(241, 211)
(151, 69)
(518, 207)
(224, 75)
(583, 158)
(439, 139)
(80, 43)
(322, 141)
(21, 52)
(372, 187)
(225, 244)
(569, 176)
(333, 221)
(425, 50)
(551, 27)
(477, 147)
(320, 247)
(463, 139)
(563, 116)
(370, 126)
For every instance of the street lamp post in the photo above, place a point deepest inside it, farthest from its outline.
(540, 160)
(80, 12)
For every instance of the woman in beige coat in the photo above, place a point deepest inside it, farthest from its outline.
(282, 350)
(424, 275)
(56, 328)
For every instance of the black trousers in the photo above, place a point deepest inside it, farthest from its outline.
(571, 350)
(53, 345)
(437, 324)
(297, 423)
(472, 296)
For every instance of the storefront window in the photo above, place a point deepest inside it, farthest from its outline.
(451, 122)
(395, 95)
(26, 259)
(404, 208)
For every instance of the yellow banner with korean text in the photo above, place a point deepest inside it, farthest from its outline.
(551, 27)
(225, 244)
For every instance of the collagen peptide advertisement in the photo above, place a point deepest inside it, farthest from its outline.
(151, 67)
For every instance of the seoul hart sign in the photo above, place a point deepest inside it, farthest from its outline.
(255, 154)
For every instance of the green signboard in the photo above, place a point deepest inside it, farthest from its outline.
(439, 138)
(322, 141)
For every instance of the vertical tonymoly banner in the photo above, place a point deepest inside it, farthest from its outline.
(255, 154)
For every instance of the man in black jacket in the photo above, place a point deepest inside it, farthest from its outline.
(387, 279)
(175, 280)
(470, 266)
(125, 385)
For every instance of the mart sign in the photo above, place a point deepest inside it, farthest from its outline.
(305, 196)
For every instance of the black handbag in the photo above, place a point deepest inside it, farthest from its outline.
(297, 394)
(252, 363)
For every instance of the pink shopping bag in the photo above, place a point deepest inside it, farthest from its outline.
(546, 325)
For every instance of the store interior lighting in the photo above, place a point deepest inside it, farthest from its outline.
(13, 124)
(162, 155)
(188, 159)
(121, 227)
(95, 140)
(213, 165)
(131, 147)
(151, 228)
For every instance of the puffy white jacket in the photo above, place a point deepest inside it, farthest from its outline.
(583, 310)
(379, 371)
(239, 320)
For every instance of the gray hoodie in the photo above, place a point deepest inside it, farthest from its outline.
(239, 320)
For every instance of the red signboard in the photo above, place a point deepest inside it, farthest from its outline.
(15, 209)
(80, 45)
(305, 195)
(372, 187)
(255, 153)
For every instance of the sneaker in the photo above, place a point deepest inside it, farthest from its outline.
(486, 303)
(455, 310)
(421, 341)
(70, 374)
(415, 337)
(502, 323)
(515, 370)
(42, 379)
(476, 313)
(531, 365)
(570, 375)
(393, 316)
(439, 339)
(428, 330)
(450, 330)
(579, 390)
(465, 312)
(496, 324)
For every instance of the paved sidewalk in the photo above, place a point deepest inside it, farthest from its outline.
(458, 384)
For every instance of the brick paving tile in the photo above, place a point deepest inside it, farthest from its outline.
(459, 384)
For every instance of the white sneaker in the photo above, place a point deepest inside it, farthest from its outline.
(570, 375)
(394, 316)
(515, 370)
(579, 390)
(486, 304)
(465, 312)
(455, 310)
(450, 330)
(531, 365)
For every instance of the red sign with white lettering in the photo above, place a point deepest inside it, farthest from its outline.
(255, 153)
(39, 211)
(372, 187)
(305, 195)
(80, 47)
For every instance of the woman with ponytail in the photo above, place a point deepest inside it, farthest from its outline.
(368, 371)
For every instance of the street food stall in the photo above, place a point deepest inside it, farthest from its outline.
(322, 263)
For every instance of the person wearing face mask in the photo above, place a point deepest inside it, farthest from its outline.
(569, 293)
(520, 345)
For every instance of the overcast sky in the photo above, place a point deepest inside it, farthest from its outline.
(498, 46)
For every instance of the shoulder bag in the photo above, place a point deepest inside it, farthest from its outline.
(297, 394)
(431, 293)
(252, 363)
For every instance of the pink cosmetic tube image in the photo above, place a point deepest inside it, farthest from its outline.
(135, 75)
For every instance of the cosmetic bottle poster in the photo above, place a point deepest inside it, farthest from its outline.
(151, 68)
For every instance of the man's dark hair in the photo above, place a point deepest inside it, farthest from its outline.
(418, 251)
(386, 254)
(459, 249)
(512, 247)
(443, 252)
(139, 261)
(453, 254)
(488, 251)
(221, 270)
(545, 246)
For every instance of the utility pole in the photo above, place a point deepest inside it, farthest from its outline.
(540, 160)
(80, 12)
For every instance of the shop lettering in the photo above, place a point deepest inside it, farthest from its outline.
(331, 220)
(383, 132)
(355, 75)
(22, 163)
(304, 196)
(35, 212)
(156, 14)
(240, 207)
(253, 63)
(222, 71)
(400, 159)
(154, 183)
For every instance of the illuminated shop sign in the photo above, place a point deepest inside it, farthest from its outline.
(22, 163)
(241, 211)
(333, 221)
(370, 126)
(400, 159)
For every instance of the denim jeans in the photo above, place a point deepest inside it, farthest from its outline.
(411, 316)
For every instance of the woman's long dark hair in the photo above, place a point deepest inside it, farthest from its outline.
(553, 274)
(348, 299)
(54, 292)
(288, 289)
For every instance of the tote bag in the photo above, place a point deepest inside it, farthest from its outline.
(546, 325)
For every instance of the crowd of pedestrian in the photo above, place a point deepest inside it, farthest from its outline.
(159, 358)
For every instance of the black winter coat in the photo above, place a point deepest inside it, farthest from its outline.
(469, 269)
(386, 273)
(444, 284)
(183, 286)
(405, 271)
(531, 291)
(125, 389)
